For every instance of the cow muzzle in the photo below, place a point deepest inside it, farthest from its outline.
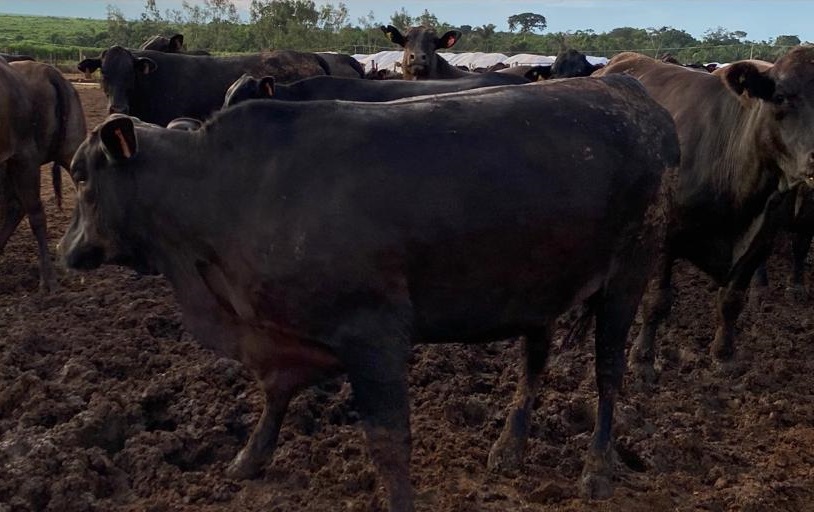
(83, 258)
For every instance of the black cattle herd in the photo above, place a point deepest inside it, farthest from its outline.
(338, 220)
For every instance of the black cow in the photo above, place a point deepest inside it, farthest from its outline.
(342, 65)
(172, 44)
(571, 63)
(421, 60)
(334, 88)
(158, 87)
(746, 144)
(321, 251)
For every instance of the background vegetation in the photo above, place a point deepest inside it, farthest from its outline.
(305, 25)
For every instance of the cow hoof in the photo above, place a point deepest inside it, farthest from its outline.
(243, 468)
(48, 285)
(722, 347)
(504, 457)
(643, 371)
(758, 296)
(596, 486)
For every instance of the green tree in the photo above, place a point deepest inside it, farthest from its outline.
(427, 19)
(527, 22)
(401, 19)
(787, 41)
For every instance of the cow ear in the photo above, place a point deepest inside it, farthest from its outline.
(177, 43)
(118, 137)
(394, 35)
(145, 65)
(449, 39)
(746, 77)
(89, 65)
(538, 73)
(265, 88)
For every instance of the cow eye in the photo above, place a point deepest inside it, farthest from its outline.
(779, 99)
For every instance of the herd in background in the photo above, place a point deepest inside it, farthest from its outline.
(745, 172)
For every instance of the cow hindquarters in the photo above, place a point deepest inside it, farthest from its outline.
(509, 450)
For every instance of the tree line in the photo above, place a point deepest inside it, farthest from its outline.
(215, 25)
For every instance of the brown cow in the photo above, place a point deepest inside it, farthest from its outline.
(421, 60)
(746, 144)
(42, 122)
(59, 118)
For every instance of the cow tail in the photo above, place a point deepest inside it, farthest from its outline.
(578, 328)
(62, 106)
(323, 64)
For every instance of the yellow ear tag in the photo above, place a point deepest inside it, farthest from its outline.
(123, 142)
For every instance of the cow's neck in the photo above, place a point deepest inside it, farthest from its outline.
(446, 70)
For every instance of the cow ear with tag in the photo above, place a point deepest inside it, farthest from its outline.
(746, 77)
(394, 35)
(449, 39)
(118, 137)
(145, 65)
(265, 89)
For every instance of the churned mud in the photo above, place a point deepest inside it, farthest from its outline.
(107, 404)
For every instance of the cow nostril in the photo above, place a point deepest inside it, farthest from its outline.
(811, 158)
(412, 57)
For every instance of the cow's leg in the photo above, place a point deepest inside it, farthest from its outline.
(509, 450)
(279, 386)
(25, 180)
(378, 348)
(12, 209)
(655, 309)
(800, 243)
(731, 296)
(760, 286)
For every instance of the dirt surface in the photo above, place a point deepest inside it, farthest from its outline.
(107, 404)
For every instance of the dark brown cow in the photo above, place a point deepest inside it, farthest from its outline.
(158, 87)
(58, 116)
(42, 121)
(421, 60)
(173, 44)
(320, 252)
(746, 143)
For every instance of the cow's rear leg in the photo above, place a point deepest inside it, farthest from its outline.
(655, 309)
(800, 244)
(509, 450)
(25, 183)
(378, 375)
(279, 386)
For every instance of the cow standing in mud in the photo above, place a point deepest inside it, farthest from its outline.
(42, 121)
(746, 145)
(295, 242)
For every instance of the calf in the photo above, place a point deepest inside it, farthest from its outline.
(319, 252)
(158, 87)
(333, 88)
(746, 145)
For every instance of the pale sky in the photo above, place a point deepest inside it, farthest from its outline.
(761, 20)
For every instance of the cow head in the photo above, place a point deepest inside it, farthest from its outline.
(420, 59)
(571, 63)
(247, 88)
(174, 44)
(120, 71)
(104, 185)
(782, 95)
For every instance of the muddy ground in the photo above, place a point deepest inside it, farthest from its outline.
(107, 404)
